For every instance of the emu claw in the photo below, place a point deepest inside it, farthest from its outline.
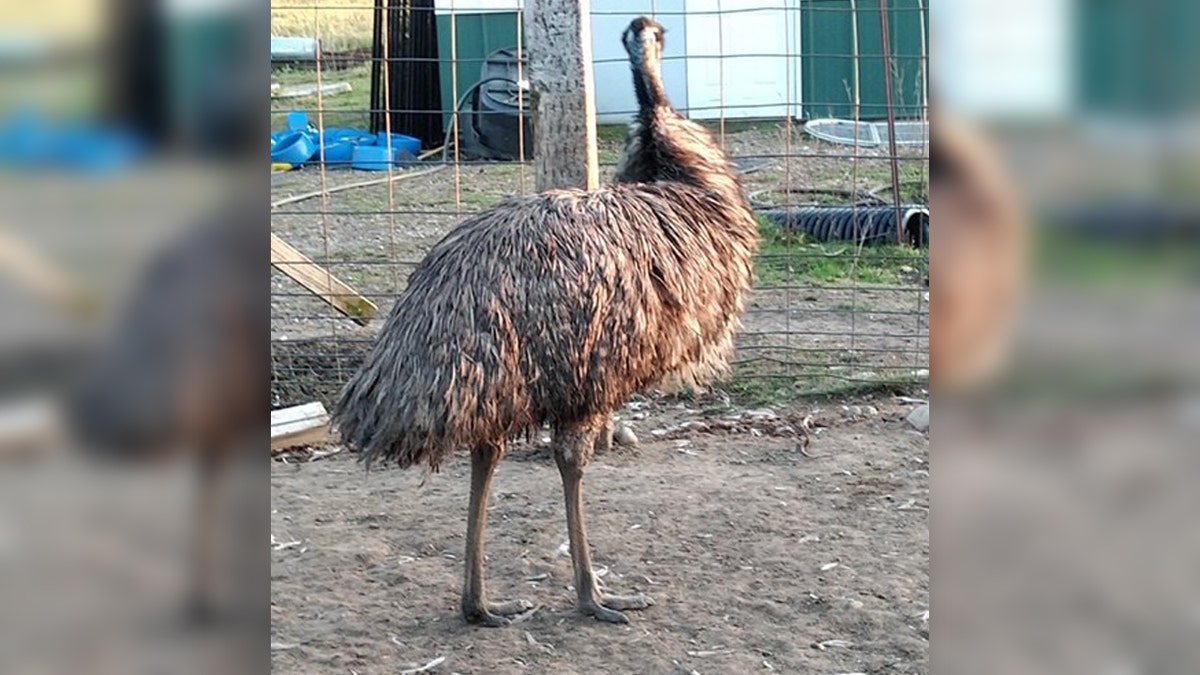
(638, 601)
(510, 607)
(605, 608)
(494, 614)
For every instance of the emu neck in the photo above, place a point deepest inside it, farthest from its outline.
(647, 84)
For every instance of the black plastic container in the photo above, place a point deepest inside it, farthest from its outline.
(490, 116)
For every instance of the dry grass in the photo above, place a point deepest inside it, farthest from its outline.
(340, 24)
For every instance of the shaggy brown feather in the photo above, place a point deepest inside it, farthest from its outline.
(550, 308)
(555, 308)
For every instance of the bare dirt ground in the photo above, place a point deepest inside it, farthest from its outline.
(760, 557)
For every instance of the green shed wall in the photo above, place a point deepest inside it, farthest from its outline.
(827, 58)
(478, 35)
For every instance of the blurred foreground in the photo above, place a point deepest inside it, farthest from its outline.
(1064, 492)
(135, 295)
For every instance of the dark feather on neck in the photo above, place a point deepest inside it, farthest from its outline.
(647, 81)
(649, 96)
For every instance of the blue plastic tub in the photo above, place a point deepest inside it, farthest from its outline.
(401, 142)
(348, 135)
(294, 148)
(371, 157)
(297, 120)
(29, 140)
(340, 143)
(339, 152)
(97, 150)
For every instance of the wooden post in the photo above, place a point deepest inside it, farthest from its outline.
(884, 31)
(559, 42)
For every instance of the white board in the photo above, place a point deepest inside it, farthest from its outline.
(1003, 59)
(615, 100)
(741, 63)
(477, 6)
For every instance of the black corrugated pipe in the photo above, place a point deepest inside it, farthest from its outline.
(865, 224)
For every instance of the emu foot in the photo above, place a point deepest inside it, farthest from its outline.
(494, 614)
(606, 607)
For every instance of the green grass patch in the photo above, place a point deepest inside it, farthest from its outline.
(787, 258)
(740, 126)
(611, 134)
(606, 156)
(775, 390)
(1069, 258)
(481, 199)
(348, 109)
(506, 170)
(914, 177)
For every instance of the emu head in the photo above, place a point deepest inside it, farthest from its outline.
(643, 41)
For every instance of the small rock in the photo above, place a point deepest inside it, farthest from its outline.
(623, 435)
(919, 418)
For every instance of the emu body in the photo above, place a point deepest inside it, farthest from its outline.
(554, 308)
(548, 309)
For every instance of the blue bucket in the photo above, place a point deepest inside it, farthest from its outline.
(340, 143)
(339, 152)
(297, 120)
(371, 157)
(348, 135)
(294, 148)
(97, 150)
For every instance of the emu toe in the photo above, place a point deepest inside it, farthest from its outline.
(495, 614)
(638, 601)
(605, 607)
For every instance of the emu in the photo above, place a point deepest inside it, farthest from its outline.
(182, 373)
(553, 309)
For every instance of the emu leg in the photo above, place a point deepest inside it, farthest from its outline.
(200, 607)
(475, 607)
(604, 440)
(572, 453)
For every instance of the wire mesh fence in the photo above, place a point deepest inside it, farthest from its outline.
(415, 113)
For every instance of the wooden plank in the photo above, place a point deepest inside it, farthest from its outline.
(301, 90)
(321, 282)
(559, 42)
(29, 426)
(299, 425)
(39, 274)
(314, 436)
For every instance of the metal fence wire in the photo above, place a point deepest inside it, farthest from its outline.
(831, 138)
